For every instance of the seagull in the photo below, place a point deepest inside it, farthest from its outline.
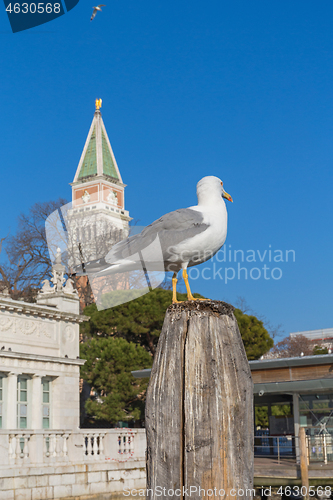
(95, 10)
(186, 237)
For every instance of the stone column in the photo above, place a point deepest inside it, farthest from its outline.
(11, 407)
(36, 402)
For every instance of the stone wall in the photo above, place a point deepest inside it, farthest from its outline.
(92, 463)
(100, 480)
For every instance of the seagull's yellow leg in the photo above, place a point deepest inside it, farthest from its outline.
(174, 289)
(189, 293)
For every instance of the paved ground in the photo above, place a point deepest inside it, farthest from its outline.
(271, 471)
(268, 462)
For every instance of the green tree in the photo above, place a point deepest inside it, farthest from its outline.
(319, 349)
(118, 395)
(141, 321)
(279, 410)
(255, 337)
(261, 416)
(124, 338)
(138, 321)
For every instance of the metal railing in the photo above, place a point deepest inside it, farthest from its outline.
(319, 447)
(275, 446)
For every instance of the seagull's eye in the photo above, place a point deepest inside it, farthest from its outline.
(221, 183)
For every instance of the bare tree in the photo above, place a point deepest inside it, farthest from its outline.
(292, 347)
(242, 304)
(26, 257)
(274, 331)
(25, 260)
(82, 236)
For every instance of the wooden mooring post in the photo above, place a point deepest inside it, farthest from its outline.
(199, 407)
(303, 450)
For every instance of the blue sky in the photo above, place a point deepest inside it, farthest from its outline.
(241, 90)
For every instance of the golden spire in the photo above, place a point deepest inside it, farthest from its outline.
(98, 104)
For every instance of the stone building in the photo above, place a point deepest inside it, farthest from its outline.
(323, 337)
(39, 357)
(43, 452)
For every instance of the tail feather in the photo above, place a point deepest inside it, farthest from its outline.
(101, 267)
(91, 267)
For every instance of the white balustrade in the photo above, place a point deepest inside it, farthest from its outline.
(93, 445)
(126, 443)
(18, 446)
(64, 446)
(55, 446)
(45, 447)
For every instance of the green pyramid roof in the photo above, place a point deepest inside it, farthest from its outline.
(97, 157)
(108, 164)
(89, 165)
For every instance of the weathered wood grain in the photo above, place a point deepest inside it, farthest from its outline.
(199, 407)
(304, 466)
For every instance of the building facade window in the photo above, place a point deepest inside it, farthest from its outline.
(22, 402)
(46, 404)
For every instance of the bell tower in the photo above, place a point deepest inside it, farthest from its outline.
(98, 218)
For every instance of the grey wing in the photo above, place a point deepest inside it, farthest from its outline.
(93, 14)
(172, 229)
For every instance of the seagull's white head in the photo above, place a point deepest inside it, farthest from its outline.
(209, 188)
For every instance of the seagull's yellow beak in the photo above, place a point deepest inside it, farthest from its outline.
(226, 196)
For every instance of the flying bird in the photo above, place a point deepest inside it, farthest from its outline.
(95, 10)
(186, 237)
